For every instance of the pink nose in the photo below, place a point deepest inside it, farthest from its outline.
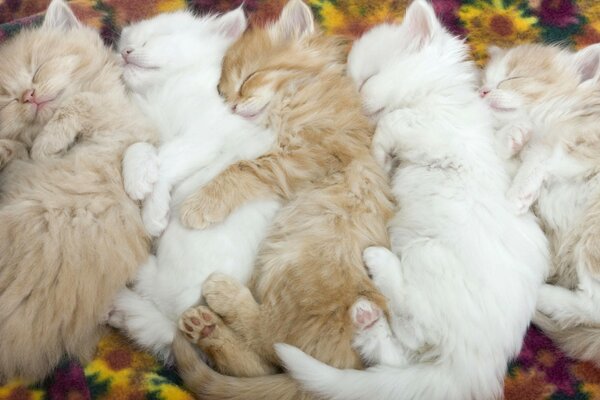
(483, 92)
(126, 51)
(29, 97)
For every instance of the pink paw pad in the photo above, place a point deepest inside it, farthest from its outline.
(365, 314)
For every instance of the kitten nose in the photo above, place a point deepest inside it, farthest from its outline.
(484, 92)
(28, 96)
(126, 51)
(234, 108)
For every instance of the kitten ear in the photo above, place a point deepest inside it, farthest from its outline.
(296, 20)
(60, 16)
(233, 23)
(420, 20)
(587, 62)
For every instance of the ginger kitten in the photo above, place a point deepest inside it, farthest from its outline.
(70, 237)
(309, 273)
(554, 140)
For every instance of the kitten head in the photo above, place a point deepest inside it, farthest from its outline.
(530, 74)
(271, 69)
(42, 67)
(395, 66)
(154, 49)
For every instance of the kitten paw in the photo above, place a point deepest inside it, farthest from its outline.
(198, 323)
(46, 147)
(199, 212)
(116, 318)
(377, 260)
(365, 313)
(9, 150)
(140, 170)
(514, 137)
(224, 294)
(155, 216)
(521, 201)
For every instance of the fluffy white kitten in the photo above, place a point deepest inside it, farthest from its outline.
(172, 66)
(464, 273)
(559, 159)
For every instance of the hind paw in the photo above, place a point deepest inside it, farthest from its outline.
(224, 294)
(198, 323)
(365, 313)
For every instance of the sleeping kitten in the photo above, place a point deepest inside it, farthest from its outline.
(172, 66)
(70, 237)
(309, 271)
(559, 160)
(463, 276)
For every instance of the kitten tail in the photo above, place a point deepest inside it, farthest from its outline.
(425, 381)
(209, 384)
(581, 342)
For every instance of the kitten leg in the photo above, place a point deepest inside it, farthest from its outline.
(65, 126)
(11, 149)
(271, 176)
(528, 181)
(155, 212)
(568, 308)
(232, 301)
(230, 356)
(140, 170)
(386, 272)
(373, 338)
(513, 137)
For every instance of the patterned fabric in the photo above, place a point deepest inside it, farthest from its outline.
(119, 371)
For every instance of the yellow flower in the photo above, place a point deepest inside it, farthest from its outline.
(352, 17)
(491, 22)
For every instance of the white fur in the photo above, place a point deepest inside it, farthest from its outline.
(464, 274)
(200, 137)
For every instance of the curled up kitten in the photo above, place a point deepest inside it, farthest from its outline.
(70, 237)
(200, 136)
(309, 273)
(558, 159)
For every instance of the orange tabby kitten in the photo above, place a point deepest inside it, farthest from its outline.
(70, 237)
(309, 273)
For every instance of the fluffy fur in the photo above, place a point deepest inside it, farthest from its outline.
(309, 270)
(465, 270)
(172, 65)
(70, 237)
(557, 149)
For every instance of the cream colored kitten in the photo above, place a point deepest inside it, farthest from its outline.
(557, 149)
(70, 237)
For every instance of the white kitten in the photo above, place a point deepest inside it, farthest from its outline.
(172, 66)
(464, 273)
(559, 92)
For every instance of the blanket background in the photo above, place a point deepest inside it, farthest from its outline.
(120, 371)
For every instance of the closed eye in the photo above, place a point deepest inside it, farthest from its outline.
(509, 79)
(37, 71)
(245, 81)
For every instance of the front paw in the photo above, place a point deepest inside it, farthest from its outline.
(200, 212)
(521, 199)
(515, 137)
(46, 147)
(140, 170)
(378, 261)
(155, 216)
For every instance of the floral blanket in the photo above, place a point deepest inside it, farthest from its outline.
(120, 371)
